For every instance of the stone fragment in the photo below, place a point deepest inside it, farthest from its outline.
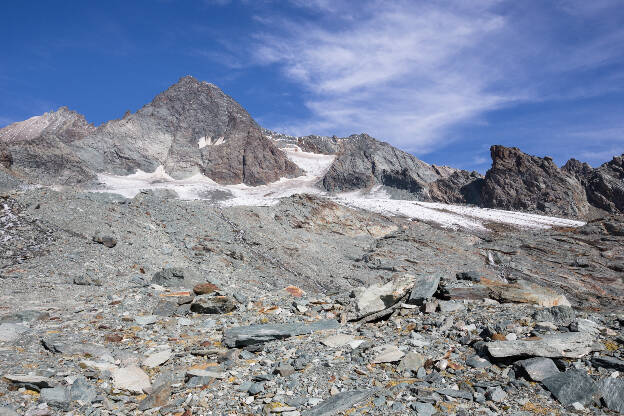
(208, 304)
(471, 276)
(175, 277)
(10, 332)
(496, 394)
(204, 288)
(565, 345)
(537, 369)
(340, 402)
(378, 297)
(423, 409)
(87, 279)
(105, 240)
(24, 316)
(165, 308)
(451, 306)
(338, 340)
(204, 373)
(558, 315)
(612, 392)
(475, 361)
(159, 396)
(611, 363)
(572, 386)
(387, 353)
(82, 390)
(256, 388)
(157, 359)
(146, 319)
(56, 397)
(131, 378)
(284, 370)
(423, 288)
(7, 411)
(412, 361)
(33, 380)
(585, 325)
(526, 292)
(243, 336)
(456, 394)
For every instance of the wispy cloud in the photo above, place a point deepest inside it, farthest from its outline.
(408, 71)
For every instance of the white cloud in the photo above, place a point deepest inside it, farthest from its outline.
(408, 71)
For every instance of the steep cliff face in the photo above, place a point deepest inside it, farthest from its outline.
(461, 187)
(604, 186)
(529, 183)
(192, 127)
(363, 162)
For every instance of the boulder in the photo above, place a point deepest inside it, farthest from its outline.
(379, 296)
(536, 369)
(571, 386)
(564, 345)
(243, 336)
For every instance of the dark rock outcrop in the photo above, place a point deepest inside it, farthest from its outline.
(604, 185)
(518, 181)
(461, 187)
(363, 162)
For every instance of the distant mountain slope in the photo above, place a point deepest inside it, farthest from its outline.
(192, 127)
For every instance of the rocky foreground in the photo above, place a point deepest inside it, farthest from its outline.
(153, 305)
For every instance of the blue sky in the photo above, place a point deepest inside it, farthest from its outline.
(441, 79)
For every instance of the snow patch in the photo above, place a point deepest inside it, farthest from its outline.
(315, 167)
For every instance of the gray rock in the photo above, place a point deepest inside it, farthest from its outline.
(537, 369)
(160, 394)
(210, 304)
(12, 332)
(565, 345)
(131, 378)
(55, 397)
(517, 181)
(243, 336)
(475, 361)
(106, 240)
(146, 319)
(387, 353)
(558, 315)
(165, 308)
(24, 316)
(611, 363)
(496, 394)
(339, 403)
(29, 379)
(456, 394)
(612, 392)
(175, 277)
(424, 288)
(471, 276)
(7, 411)
(450, 306)
(82, 390)
(423, 409)
(256, 388)
(571, 386)
(380, 296)
(412, 362)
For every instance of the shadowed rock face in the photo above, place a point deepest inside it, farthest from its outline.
(363, 162)
(191, 127)
(461, 187)
(523, 182)
(604, 186)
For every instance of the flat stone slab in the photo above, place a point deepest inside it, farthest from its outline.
(387, 353)
(378, 297)
(537, 369)
(338, 340)
(38, 381)
(157, 359)
(612, 391)
(339, 403)
(243, 336)
(564, 345)
(611, 363)
(131, 378)
(571, 386)
(424, 288)
(10, 332)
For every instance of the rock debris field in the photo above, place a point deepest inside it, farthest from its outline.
(160, 306)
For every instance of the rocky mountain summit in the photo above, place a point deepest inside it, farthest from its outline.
(190, 128)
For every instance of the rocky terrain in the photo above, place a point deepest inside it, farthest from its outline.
(184, 261)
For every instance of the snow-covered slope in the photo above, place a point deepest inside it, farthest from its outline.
(315, 166)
